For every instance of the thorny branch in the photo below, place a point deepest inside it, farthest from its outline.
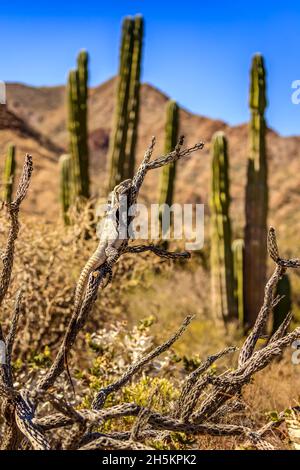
(205, 399)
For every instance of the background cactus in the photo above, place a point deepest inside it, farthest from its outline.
(82, 67)
(65, 164)
(238, 272)
(281, 310)
(9, 173)
(256, 200)
(222, 283)
(168, 172)
(124, 133)
(134, 96)
(77, 125)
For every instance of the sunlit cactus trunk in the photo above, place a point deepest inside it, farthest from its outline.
(65, 166)
(9, 173)
(123, 139)
(256, 200)
(82, 67)
(168, 172)
(117, 150)
(281, 310)
(134, 97)
(238, 272)
(77, 125)
(222, 282)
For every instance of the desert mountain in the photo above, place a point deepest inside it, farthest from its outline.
(35, 120)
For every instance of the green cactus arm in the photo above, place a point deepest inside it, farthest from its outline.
(65, 167)
(256, 198)
(222, 281)
(117, 145)
(134, 97)
(9, 173)
(238, 271)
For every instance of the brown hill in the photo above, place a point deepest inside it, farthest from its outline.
(36, 121)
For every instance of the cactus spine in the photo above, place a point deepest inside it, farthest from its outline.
(9, 173)
(256, 200)
(65, 164)
(238, 272)
(124, 133)
(77, 124)
(168, 173)
(281, 310)
(221, 253)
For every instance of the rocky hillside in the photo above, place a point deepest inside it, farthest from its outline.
(35, 120)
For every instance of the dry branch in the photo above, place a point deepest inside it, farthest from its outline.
(205, 399)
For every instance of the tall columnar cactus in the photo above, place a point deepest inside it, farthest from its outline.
(281, 310)
(168, 172)
(124, 132)
(222, 283)
(82, 67)
(134, 97)
(77, 125)
(117, 151)
(256, 200)
(238, 272)
(9, 173)
(65, 164)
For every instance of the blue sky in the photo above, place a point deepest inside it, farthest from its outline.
(197, 52)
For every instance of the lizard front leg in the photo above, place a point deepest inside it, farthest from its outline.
(157, 251)
(112, 256)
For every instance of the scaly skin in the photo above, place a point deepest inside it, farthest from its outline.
(109, 243)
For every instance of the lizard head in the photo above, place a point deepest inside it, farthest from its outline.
(121, 189)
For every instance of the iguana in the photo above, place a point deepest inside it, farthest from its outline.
(111, 247)
(109, 244)
(107, 251)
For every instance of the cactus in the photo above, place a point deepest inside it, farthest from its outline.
(134, 97)
(77, 125)
(65, 164)
(222, 284)
(168, 172)
(82, 67)
(119, 134)
(124, 133)
(238, 272)
(9, 173)
(281, 310)
(256, 200)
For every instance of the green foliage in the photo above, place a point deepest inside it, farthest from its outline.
(42, 359)
(256, 199)
(223, 304)
(160, 390)
(124, 133)
(9, 173)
